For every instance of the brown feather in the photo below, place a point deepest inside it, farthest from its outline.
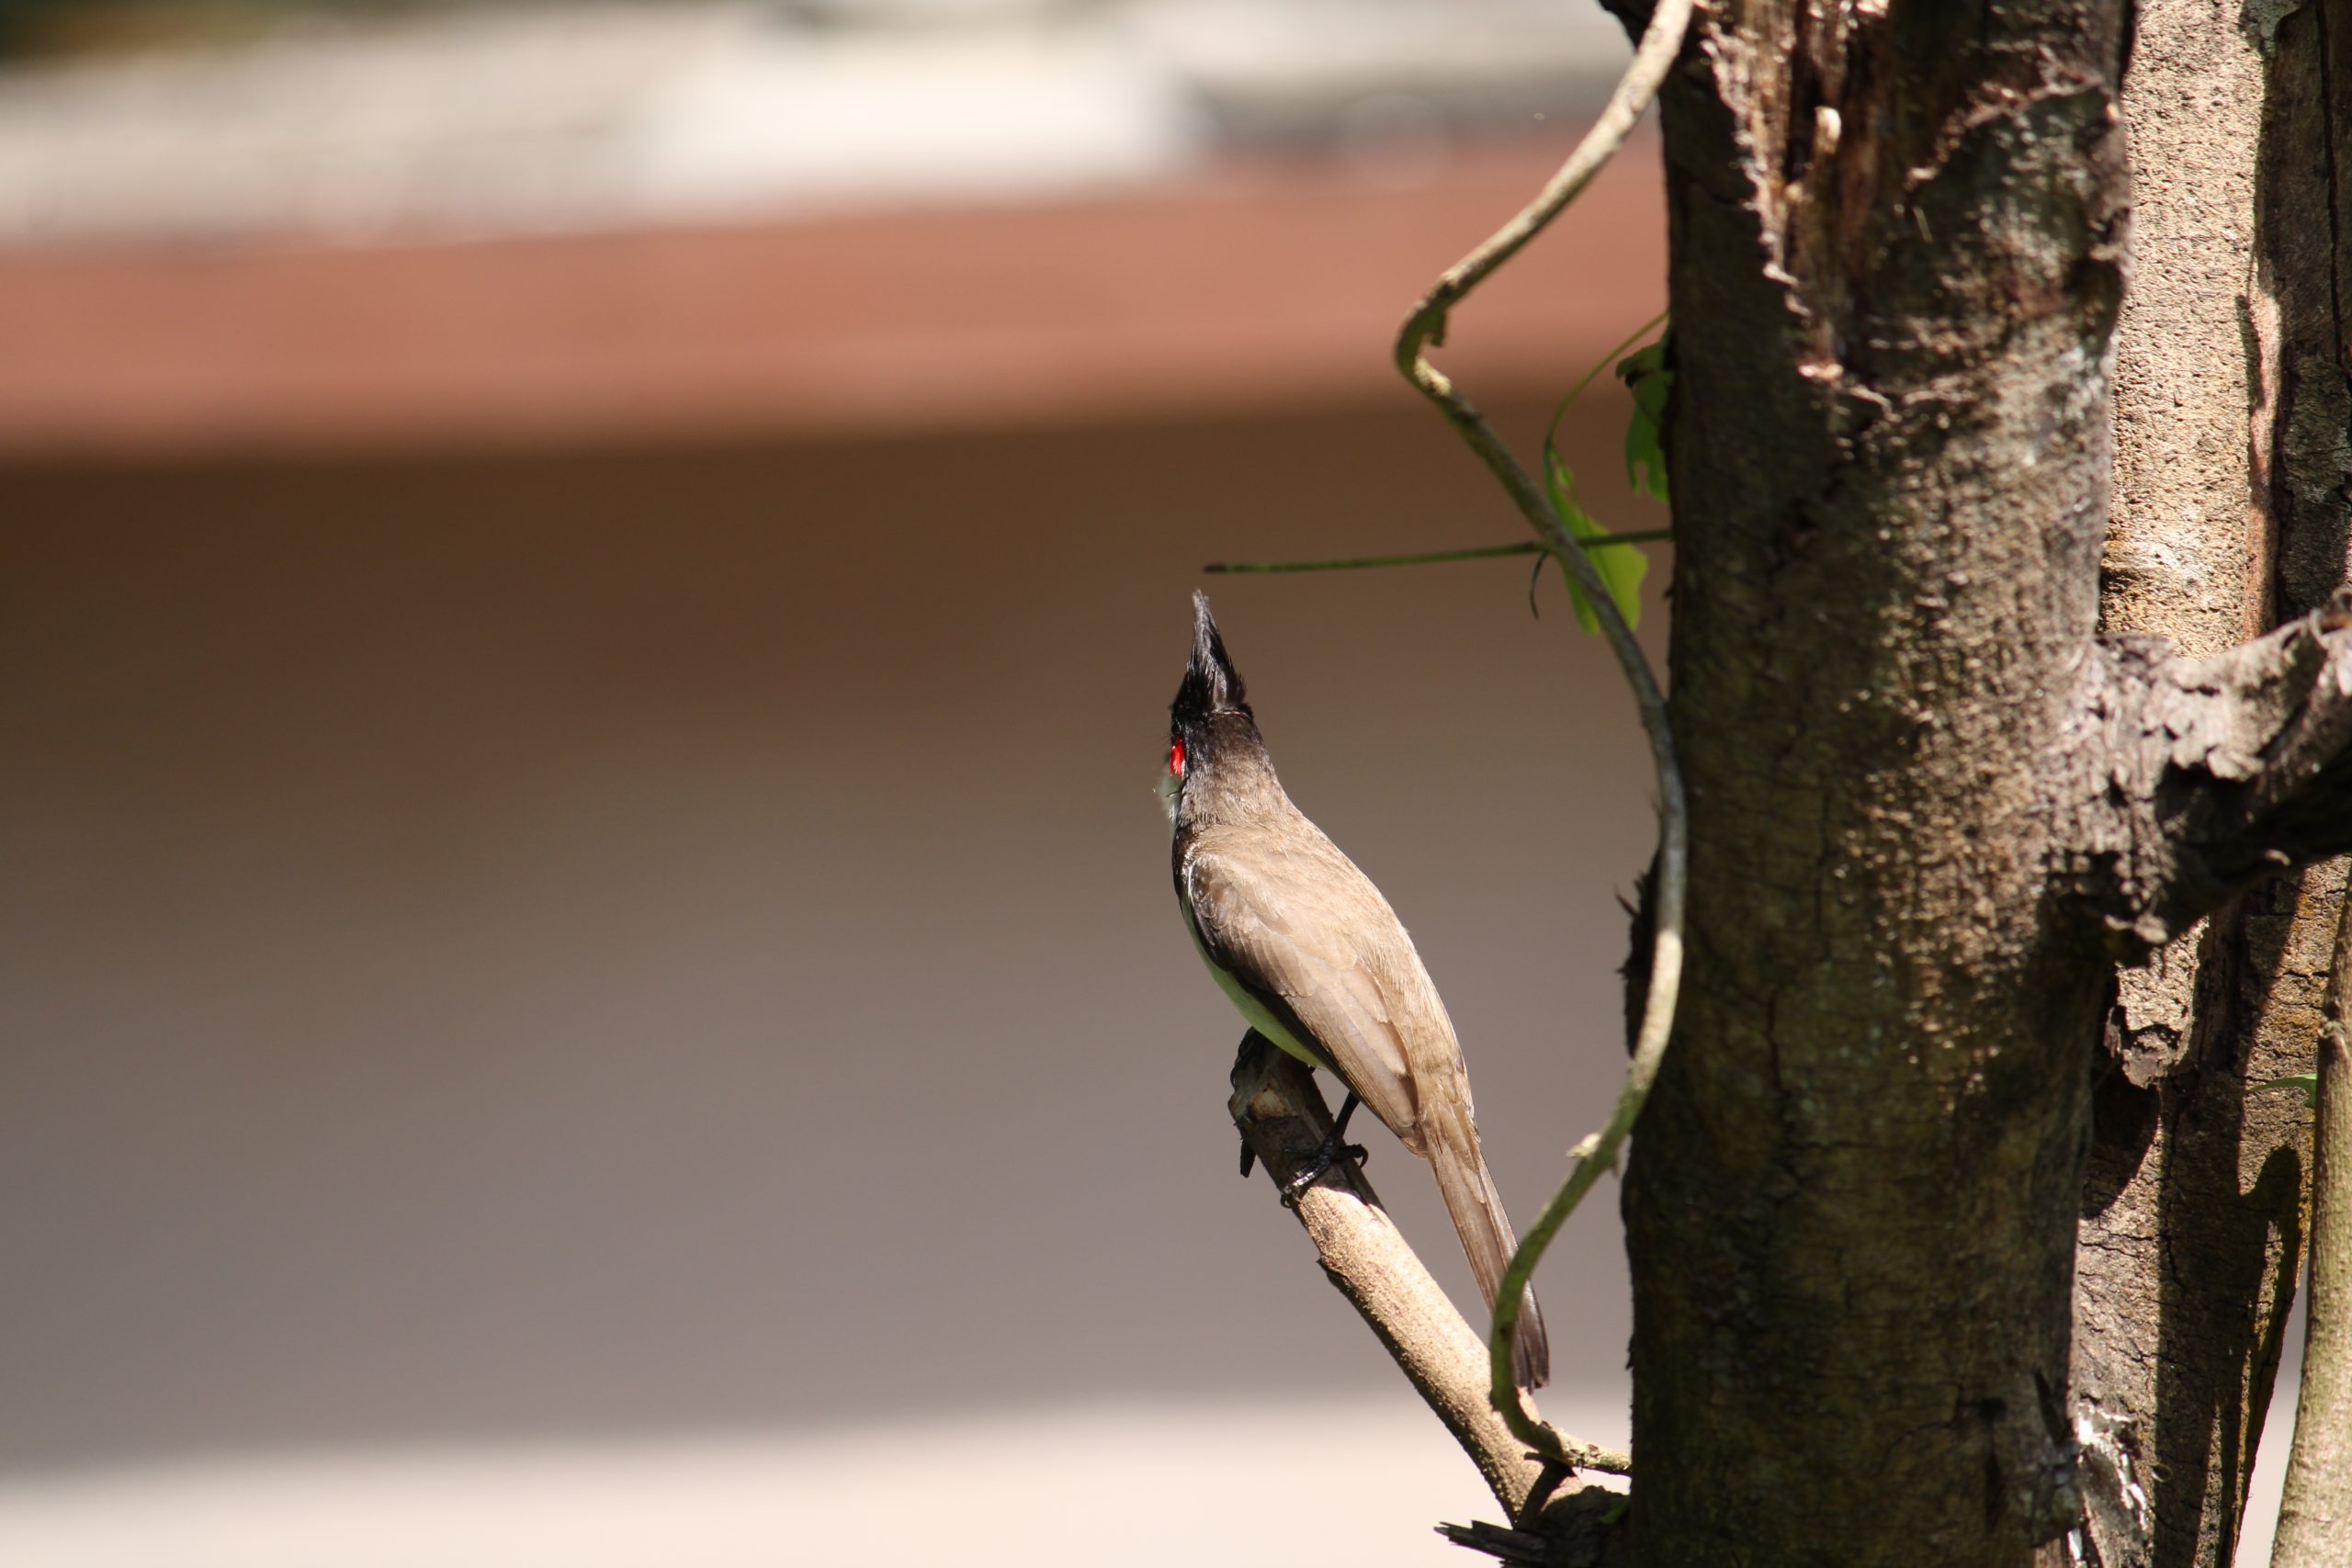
(1312, 944)
(1312, 940)
(1281, 913)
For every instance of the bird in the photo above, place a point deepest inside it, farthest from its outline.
(1317, 961)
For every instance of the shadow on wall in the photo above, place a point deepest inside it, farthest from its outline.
(683, 939)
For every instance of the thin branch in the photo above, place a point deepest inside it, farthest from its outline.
(1430, 557)
(2315, 1513)
(1661, 44)
(1283, 1121)
(1350, 563)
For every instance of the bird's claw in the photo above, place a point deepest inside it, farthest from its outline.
(1319, 1162)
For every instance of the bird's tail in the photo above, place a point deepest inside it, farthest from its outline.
(1486, 1239)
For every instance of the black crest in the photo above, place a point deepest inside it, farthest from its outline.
(1210, 685)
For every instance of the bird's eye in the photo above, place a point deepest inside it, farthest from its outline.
(1176, 759)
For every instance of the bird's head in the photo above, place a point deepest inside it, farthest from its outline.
(1210, 719)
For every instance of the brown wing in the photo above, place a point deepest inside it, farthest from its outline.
(1311, 937)
(1313, 941)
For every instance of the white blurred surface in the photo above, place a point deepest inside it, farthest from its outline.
(1356, 1481)
(2269, 1481)
(514, 119)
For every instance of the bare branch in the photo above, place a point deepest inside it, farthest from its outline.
(1283, 1120)
(1358, 563)
(1660, 43)
(2315, 1514)
(2206, 775)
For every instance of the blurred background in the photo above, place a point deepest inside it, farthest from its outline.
(587, 598)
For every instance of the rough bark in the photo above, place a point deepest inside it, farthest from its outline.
(1930, 808)
(2230, 427)
(1890, 472)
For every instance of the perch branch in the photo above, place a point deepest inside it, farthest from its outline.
(1283, 1120)
(1660, 44)
(2315, 1513)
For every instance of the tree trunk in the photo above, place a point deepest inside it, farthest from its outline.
(1929, 809)
(1851, 1205)
(2232, 419)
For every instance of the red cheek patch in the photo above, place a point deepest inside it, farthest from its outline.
(1176, 759)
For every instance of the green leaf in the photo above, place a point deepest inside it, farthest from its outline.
(1645, 375)
(2307, 1082)
(1622, 570)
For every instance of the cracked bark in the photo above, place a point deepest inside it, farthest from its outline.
(2231, 426)
(1929, 807)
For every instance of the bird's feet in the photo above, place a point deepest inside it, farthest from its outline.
(1326, 1154)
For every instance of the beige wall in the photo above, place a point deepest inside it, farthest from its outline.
(615, 942)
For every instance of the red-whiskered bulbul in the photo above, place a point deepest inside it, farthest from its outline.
(1315, 959)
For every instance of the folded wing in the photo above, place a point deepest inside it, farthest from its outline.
(1285, 923)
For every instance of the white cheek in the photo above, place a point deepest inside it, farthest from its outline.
(1170, 784)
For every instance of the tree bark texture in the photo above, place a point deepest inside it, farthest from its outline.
(2229, 516)
(1930, 808)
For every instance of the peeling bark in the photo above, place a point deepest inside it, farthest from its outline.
(2200, 776)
